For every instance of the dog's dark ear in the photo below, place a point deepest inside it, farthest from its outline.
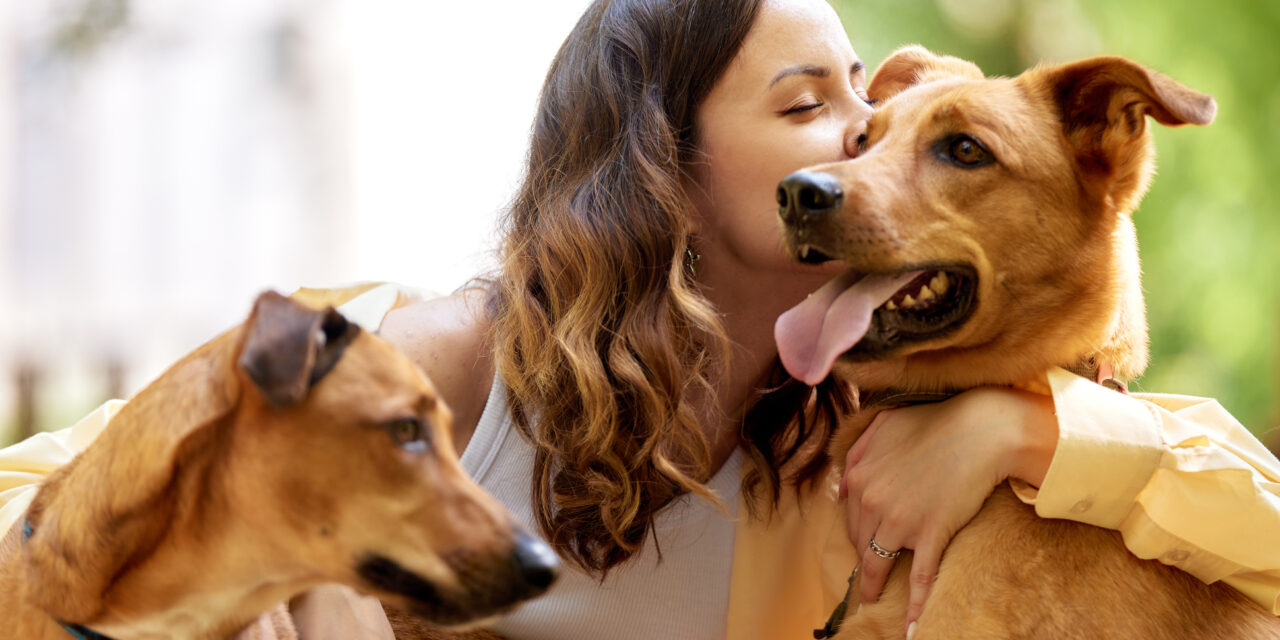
(1103, 103)
(1110, 90)
(913, 64)
(288, 347)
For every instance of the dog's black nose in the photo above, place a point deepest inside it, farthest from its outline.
(536, 562)
(806, 193)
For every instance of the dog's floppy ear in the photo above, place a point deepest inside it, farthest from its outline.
(1103, 104)
(913, 64)
(288, 347)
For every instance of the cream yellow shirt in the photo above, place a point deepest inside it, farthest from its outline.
(1181, 479)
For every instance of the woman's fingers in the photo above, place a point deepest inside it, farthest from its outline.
(875, 571)
(857, 516)
(917, 480)
(856, 452)
(860, 445)
(924, 570)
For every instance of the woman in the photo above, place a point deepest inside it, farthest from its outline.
(621, 365)
(631, 325)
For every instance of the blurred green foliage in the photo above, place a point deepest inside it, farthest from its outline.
(1209, 226)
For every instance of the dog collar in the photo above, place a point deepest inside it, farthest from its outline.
(80, 632)
(832, 627)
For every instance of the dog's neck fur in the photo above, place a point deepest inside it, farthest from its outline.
(207, 599)
(198, 582)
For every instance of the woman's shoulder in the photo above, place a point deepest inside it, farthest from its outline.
(446, 336)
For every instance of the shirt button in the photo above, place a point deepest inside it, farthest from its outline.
(1082, 506)
(1177, 555)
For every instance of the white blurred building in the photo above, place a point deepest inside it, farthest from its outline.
(162, 161)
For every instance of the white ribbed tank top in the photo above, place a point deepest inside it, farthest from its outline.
(685, 596)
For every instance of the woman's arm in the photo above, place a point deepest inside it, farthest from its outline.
(1180, 478)
(1122, 462)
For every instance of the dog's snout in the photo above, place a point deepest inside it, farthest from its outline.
(536, 563)
(806, 193)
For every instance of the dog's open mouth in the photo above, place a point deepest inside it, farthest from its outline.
(932, 304)
(866, 317)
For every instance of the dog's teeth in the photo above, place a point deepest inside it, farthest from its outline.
(908, 301)
(925, 293)
(804, 252)
(940, 282)
(891, 306)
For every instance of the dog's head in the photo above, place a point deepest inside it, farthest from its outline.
(303, 446)
(986, 225)
(364, 470)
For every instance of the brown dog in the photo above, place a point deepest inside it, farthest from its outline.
(991, 217)
(291, 451)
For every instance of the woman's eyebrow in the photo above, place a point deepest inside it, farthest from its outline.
(812, 70)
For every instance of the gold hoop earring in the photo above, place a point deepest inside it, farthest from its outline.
(691, 259)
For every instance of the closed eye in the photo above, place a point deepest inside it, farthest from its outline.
(808, 106)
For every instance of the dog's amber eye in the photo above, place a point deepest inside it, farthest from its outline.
(966, 152)
(408, 433)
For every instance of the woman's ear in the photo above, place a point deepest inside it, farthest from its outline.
(913, 64)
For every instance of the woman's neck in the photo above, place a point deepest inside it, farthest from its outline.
(748, 308)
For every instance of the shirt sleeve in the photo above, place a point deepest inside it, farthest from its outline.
(1180, 479)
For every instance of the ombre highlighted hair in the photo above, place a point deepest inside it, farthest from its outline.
(599, 334)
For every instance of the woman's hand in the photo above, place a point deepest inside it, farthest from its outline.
(335, 611)
(920, 473)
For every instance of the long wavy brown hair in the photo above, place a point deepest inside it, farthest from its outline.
(599, 334)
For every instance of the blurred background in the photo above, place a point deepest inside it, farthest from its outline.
(162, 161)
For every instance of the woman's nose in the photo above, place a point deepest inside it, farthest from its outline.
(855, 136)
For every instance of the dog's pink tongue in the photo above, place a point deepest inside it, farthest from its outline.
(812, 334)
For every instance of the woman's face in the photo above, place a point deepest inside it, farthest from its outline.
(793, 96)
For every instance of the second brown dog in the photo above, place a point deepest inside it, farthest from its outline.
(292, 451)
